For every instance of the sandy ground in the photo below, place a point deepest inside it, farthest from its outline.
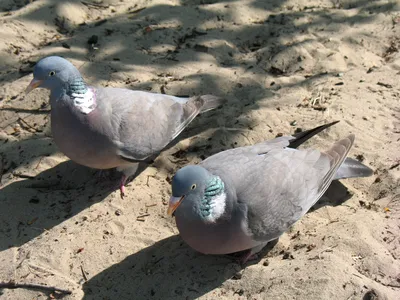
(283, 65)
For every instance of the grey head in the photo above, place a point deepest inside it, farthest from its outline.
(196, 193)
(56, 73)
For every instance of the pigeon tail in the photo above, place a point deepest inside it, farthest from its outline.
(352, 168)
(301, 137)
(195, 106)
(211, 102)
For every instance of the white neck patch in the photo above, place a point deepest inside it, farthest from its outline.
(86, 102)
(217, 207)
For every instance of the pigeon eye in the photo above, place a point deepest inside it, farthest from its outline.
(52, 73)
(193, 186)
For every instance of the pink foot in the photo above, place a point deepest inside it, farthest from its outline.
(122, 186)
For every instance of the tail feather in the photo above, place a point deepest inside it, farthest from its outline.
(194, 106)
(352, 168)
(211, 102)
(336, 154)
(301, 137)
(190, 110)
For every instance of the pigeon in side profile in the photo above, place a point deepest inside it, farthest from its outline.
(104, 128)
(241, 199)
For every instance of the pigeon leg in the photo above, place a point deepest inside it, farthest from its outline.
(129, 172)
(122, 185)
(251, 254)
(247, 256)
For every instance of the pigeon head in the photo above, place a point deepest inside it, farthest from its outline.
(197, 193)
(54, 72)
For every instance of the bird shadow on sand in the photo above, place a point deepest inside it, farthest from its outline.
(169, 269)
(37, 203)
(335, 195)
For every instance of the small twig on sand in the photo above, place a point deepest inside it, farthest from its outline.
(141, 217)
(14, 285)
(26, 125)
(84, 274)
(147, 181)
(20, 175)
(386, 85)
(395, 165)
(40, 160)
(318, 256)
(136, 10)
(33, 111)
(144, 215)
(329, 249)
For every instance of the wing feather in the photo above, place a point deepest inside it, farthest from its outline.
(144, 123)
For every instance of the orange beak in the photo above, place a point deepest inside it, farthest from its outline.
(174, 202)
(33, 85)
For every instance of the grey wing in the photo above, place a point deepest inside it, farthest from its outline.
(145, 123)
(148, 133)
(276, 189)
(141, 123)
(145, 132)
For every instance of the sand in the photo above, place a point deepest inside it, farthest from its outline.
(282, 65)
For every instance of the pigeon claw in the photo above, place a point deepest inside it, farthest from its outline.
(122, 191)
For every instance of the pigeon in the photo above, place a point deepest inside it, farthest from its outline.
(240, 199)
(106, 128)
